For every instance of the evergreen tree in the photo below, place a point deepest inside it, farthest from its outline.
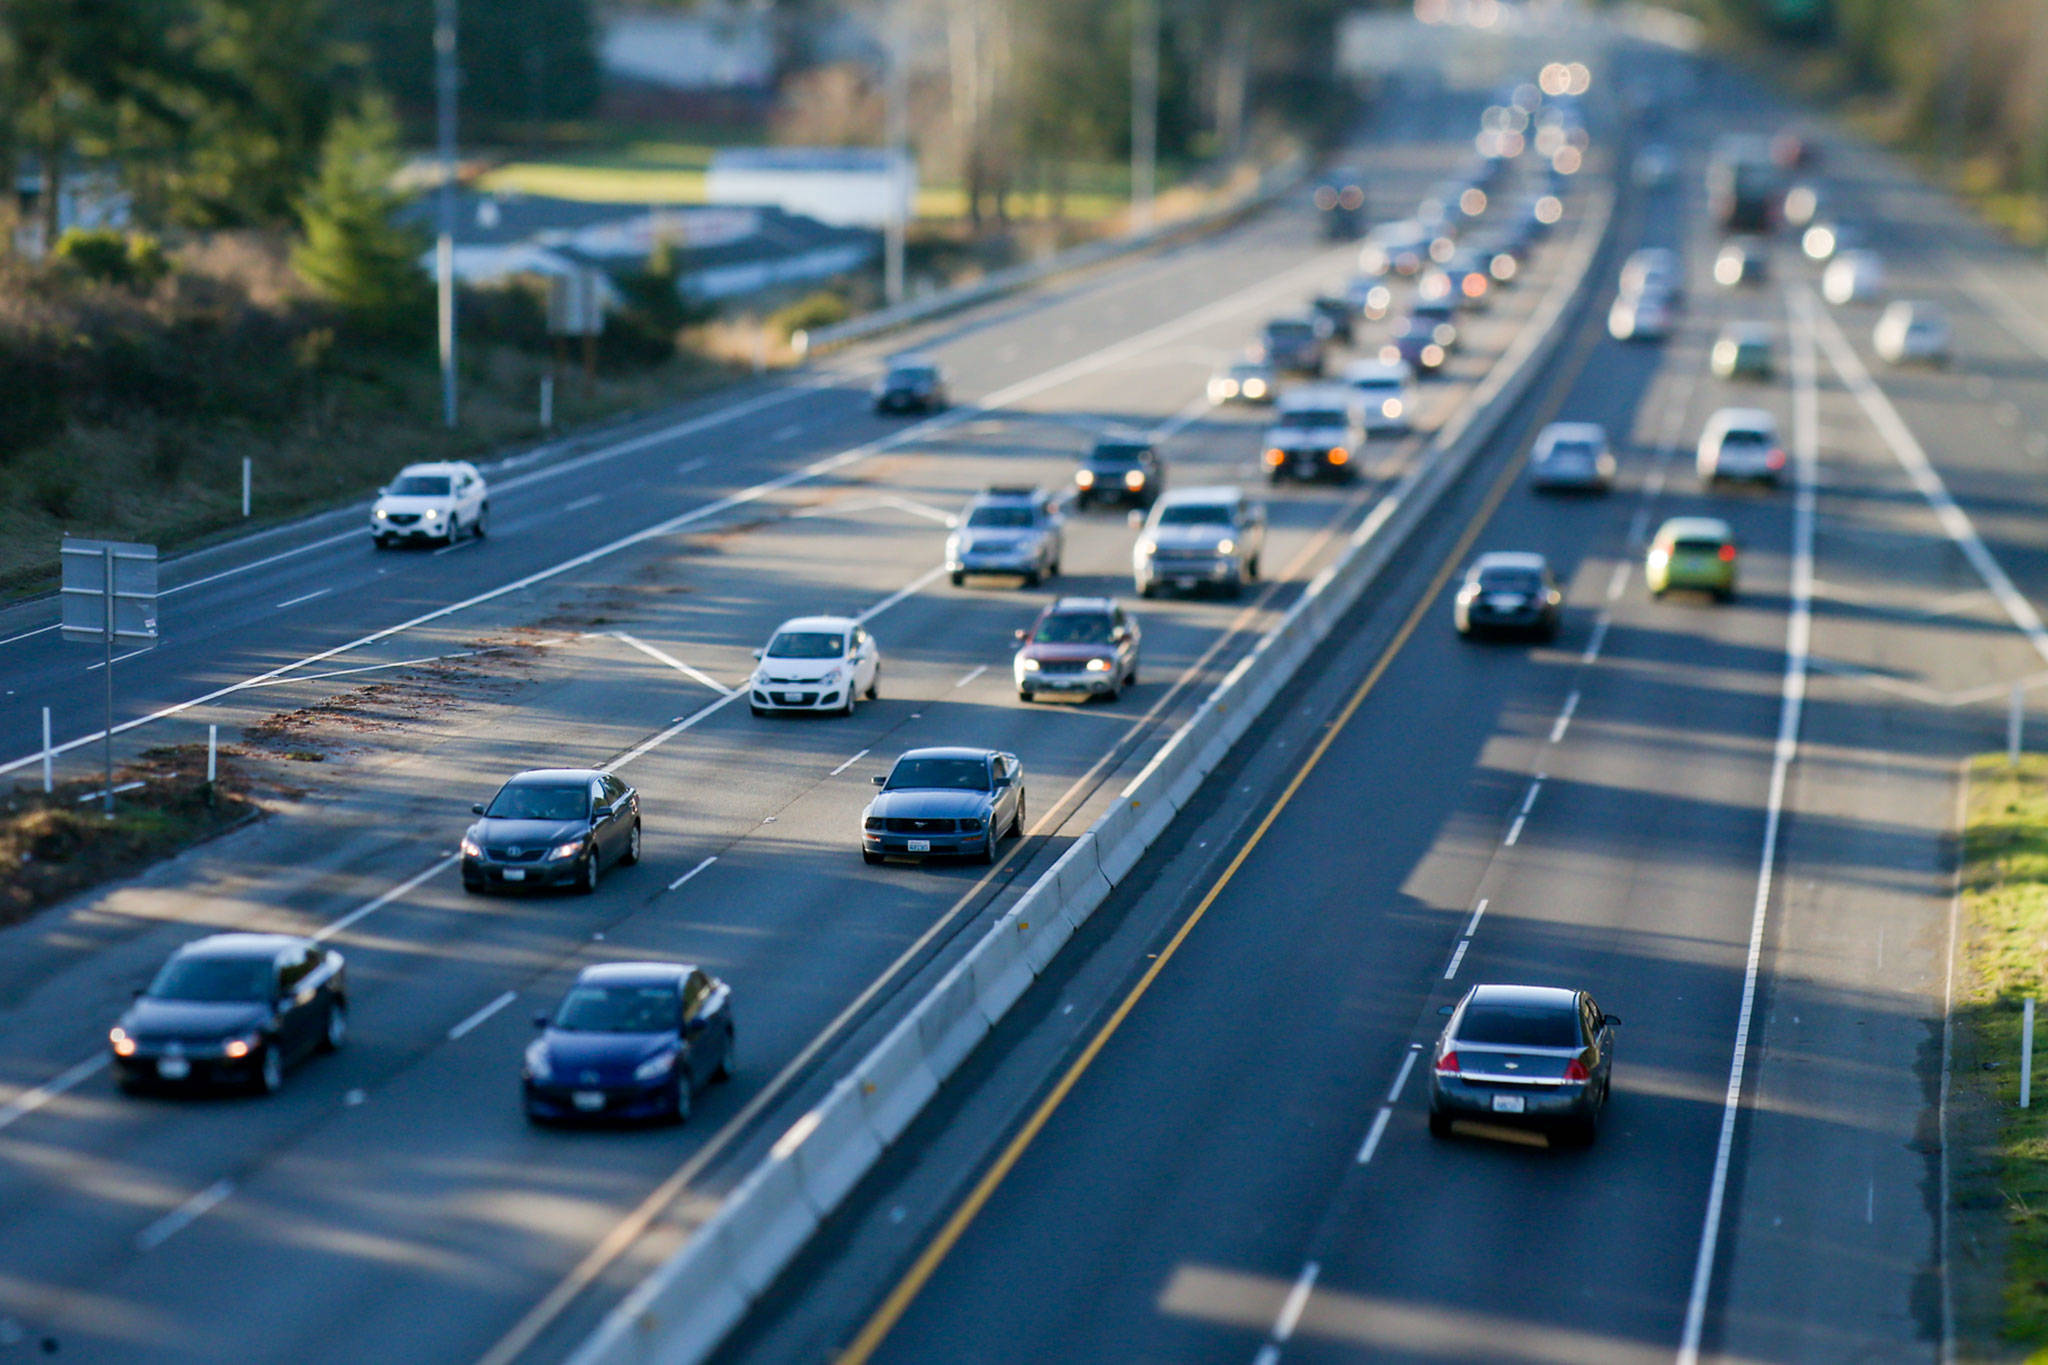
(356, 253)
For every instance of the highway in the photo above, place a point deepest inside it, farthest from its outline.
(1203, 1137)
(391, 1203)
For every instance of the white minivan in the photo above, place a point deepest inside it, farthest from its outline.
(1385, 392)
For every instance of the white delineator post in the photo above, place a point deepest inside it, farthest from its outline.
(547, 402)
(212, 753)
(2027, 1053)
(48, 757)
(247, 472)
(2015, 720)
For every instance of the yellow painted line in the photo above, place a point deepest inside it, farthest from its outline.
(885, 1318)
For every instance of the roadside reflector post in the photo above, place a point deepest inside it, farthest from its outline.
(2027, 1053)
(547, 401)
(48, 775)
(212, 758)
(248, 468)
(2015, 721)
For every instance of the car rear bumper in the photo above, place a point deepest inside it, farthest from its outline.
(1539, 1104)
(384, 530)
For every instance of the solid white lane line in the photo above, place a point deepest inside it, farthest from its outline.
(369, 908)
(1617, 582)
(304, 597)
(1457, 957)
(1472, 926)
(470, 1024)
(849, 763)
(1593, 646)
(693, 872)
(977, 671)
(183, 1216)
(1906, 448)
(265, 562)
(1514, 832)
(1564, 717)
(1401, 1076)
(39, 630)
(688, 465)
(590, 500)
(1798, 639)
(661, 656)
(1182, 420)
(28, 1101)
(1297, 1300)
(456, 546)
(1375, 1133)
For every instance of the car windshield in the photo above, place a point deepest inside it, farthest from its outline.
(526, 801)
(1118, 457)
(1696, 547)
(1573, 450)
(1510, 580)
(619, 1009)
(422, 486)
(1377, 385)
(213, 979)
(1744, 438)
(1012, 518)
(1073, 628)
(1195, 514)
(1291, 331)
(1315, 417)
(910, 374)
(1504, 1025)
(1248, 371)
(807, 644)
(955, 774)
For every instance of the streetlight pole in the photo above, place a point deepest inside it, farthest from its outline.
(1144, 109)
(897, 135)
(447, 82)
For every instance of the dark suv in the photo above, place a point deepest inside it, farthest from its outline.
(1294, 344)
(912, 383)
(1124, 470)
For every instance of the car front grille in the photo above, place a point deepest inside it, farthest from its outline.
(402, 518)
(518, 853)
(1063, 666)
(901, 826)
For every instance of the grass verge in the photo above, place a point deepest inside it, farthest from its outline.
(57, 845)
(2000, 1170)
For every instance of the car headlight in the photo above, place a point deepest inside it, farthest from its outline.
(1147, 547)
(432, 515)
(123, 1045)
(537, 1065)
(969, 826)
(1098, 665)
(1085, 477)
(1391, 408)
(1254, 388)
(954, 545)
(381, 515)
(872, 822)
(242, 1046)
(470, 848)
(1226, 546)
(655, 1067)
(1134, 478)
(568, 850)
(1031, 665)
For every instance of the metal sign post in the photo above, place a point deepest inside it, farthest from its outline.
(109, 598)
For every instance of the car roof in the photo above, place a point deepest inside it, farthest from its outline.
(1315, 396)
(535, 777)
(909, 358)
(635, 974)
(1556, 997)
(946, 751)
(1511, 559)
(1759, 419)
(818, 623)
(1079, 605)
(1217, 492)
(242, 945)
(1360, 371)
(1291, 320)
(1695, 528)
(1572, 431)
(1010, 493)
(432, 467)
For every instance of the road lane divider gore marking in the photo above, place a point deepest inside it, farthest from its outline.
(885, 1318)
(1100, 359)
(183, 1216)
(663, 657)
(1912, 457)
(471, 1024)
(1798, 640)
(695, 870)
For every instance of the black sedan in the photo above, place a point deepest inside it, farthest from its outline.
(232, 1009)
(552, 827)
(1120, 470)
(631, 1040)
(911, 383)
(944, 801)
(1523, 1055)
(1509, 592)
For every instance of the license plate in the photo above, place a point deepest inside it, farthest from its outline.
(920, 845)
(589, 1101)
(515, 874)
(1508, 1104)
(1184, 582)
(174, 1068)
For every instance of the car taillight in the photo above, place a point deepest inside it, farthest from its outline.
(1575, 1070)
(1776, 459)
(1339, 455)
(1447, 1065)
(1276, 456)
(1727, 554)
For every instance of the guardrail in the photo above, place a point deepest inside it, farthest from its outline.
(680, 1313)
(1273, 182)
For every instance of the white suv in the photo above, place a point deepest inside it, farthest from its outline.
(1199, 537)
(431, 502)
(1385, 392)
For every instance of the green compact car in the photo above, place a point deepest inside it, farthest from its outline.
(1692, 552)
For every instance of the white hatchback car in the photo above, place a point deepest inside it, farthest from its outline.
(1912, 332)
(1740, 443)
(816, 663)
(442, 502)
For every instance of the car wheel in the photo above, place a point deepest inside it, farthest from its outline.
(987, 855)
(870, 858)
(482, 528)
(681, 1113)
(381, 542)
(270, 1071)
(587, 873)
(1251, 568)
(1147, 590)
(958, 579)
(1026, 694)
(336, 1032)
(1724, 594)
(1031, 579)
(1114, 694)
(473, 886)
(632, 853)
(1017, 821)
(727, 1061)
(1439, 1124)
(875, 684)
(757, 710)
(852, 698)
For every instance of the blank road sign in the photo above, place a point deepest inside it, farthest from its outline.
(85, 592)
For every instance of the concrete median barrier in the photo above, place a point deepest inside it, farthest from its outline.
(680, 1312)
(764, 1222)
(1041, 927)
(831, 1147)
(895, 1080)
(1000, 972)
(1078, 877)
(950, 1021)
(1115, 847)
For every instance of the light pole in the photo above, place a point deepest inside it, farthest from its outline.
(1144, 109)
(897, 135)
(447, 81)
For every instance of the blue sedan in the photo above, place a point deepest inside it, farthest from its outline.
(939, 802)
(631, 1040)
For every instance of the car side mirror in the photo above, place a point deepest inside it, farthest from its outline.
(385, 491)
(1003, 782)
(1119, 635)
(476, 808)
(757, 653)
(1018, 635)
(1444, 1010)
(1136, 520)
(878, 779)
(601, 813)
(1610, 1019)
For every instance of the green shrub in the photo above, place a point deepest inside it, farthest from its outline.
(809, 313)
(135, 260)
